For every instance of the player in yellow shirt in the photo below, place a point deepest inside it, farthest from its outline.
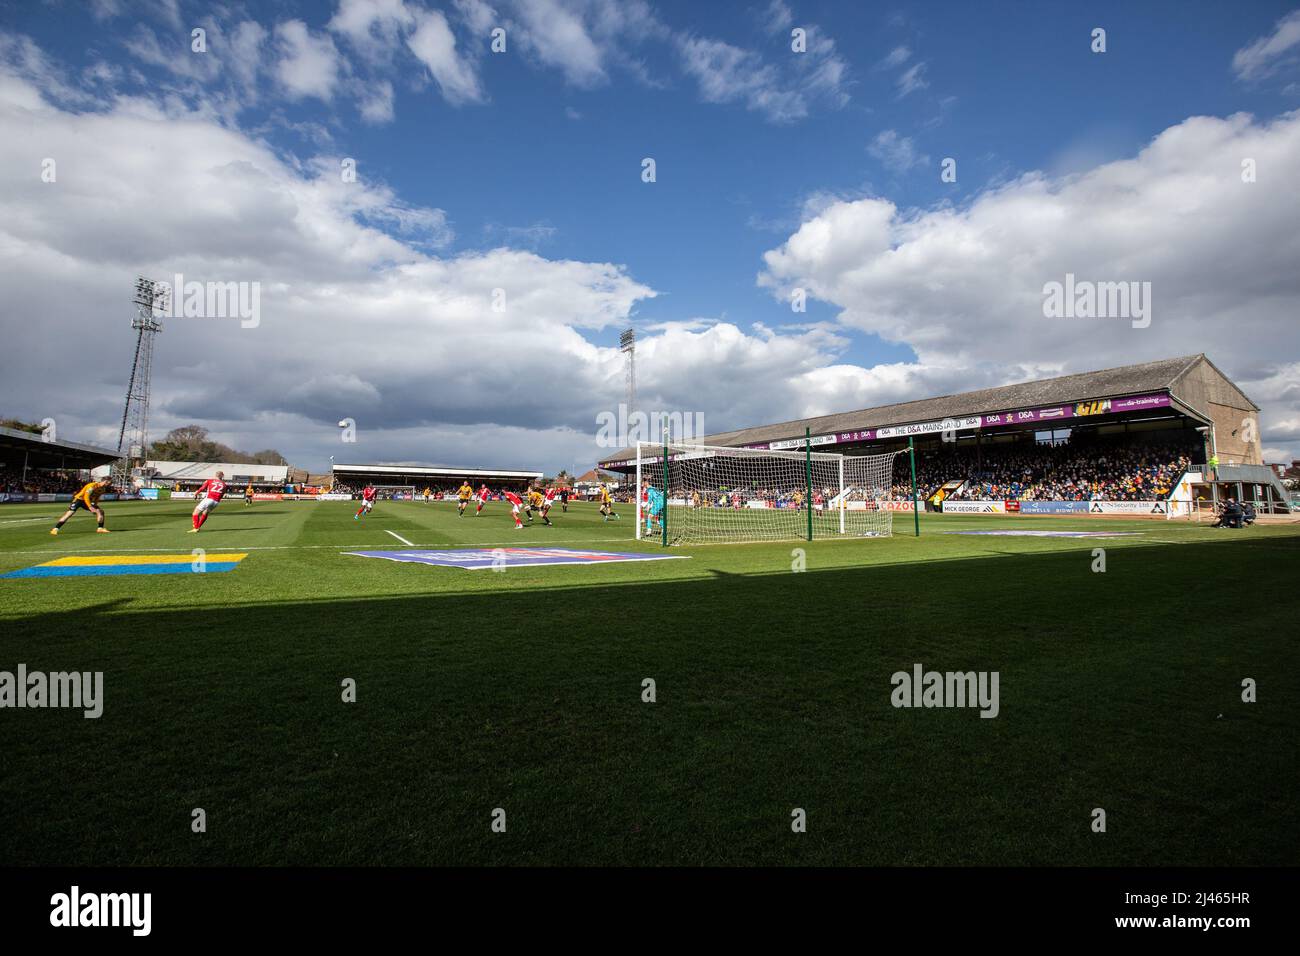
(88, 498)
(606, 504)
(534, 502)
(463, 494)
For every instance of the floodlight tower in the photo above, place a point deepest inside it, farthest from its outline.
(627, 345)
(132, 440)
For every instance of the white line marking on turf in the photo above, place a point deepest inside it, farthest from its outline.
(445, 545)
(441, 546)
(400, 538)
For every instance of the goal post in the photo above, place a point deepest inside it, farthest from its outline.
(696, 494)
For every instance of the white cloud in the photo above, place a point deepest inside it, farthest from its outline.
(309, 64)
(727, 74)
(530, 236)
(173, 54)
(246, 49)
(374, 27)
(358, 318)
(105, 9)
(912, 79)
(25, 61)
(1268, 54)
(963, 287)
(584, 39)
(223, 79)
(783, 90)
(777, 17)
(896, 58)
(896, 153)
(478, 16)
(434, 45)
(377, 102)
(170, 11)
(556, 35)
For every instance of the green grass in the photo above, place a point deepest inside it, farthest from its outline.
(522, 690)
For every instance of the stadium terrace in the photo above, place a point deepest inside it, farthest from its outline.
(1135, 433)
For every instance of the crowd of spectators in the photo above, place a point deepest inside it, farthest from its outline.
(1140, 471)
(1111, 471)
(42, 483)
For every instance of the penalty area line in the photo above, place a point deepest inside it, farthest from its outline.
(400, 538)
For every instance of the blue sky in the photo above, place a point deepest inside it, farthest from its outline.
(539, 150)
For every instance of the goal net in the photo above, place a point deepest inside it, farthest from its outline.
(715, 494)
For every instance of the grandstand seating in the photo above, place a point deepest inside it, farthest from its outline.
(1119, 471)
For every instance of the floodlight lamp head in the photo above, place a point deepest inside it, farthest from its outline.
(150, 294)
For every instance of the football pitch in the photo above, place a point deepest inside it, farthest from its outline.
(522, 689)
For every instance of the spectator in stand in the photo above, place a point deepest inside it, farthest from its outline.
(42, 482)
(1068, 472)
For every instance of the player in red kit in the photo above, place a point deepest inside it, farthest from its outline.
(547, 504)
(482, 500)
(367, 502)
(209, 495)
(515, 504)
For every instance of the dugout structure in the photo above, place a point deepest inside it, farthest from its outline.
(701, 494)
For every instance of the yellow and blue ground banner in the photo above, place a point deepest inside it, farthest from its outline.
(131, 564)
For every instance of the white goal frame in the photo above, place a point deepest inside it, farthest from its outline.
(735, 495)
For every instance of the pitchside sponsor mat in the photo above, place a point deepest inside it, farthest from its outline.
(1016, 533)
(104, 565)
(476, 559)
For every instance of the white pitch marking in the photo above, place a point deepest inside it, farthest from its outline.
(400, 538)
(441, 546)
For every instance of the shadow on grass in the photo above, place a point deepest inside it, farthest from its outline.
(1118, 690)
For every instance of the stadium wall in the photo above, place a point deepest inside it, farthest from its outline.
(1206, 389)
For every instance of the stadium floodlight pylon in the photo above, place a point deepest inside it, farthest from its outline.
(716, 494)
(133, 438)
